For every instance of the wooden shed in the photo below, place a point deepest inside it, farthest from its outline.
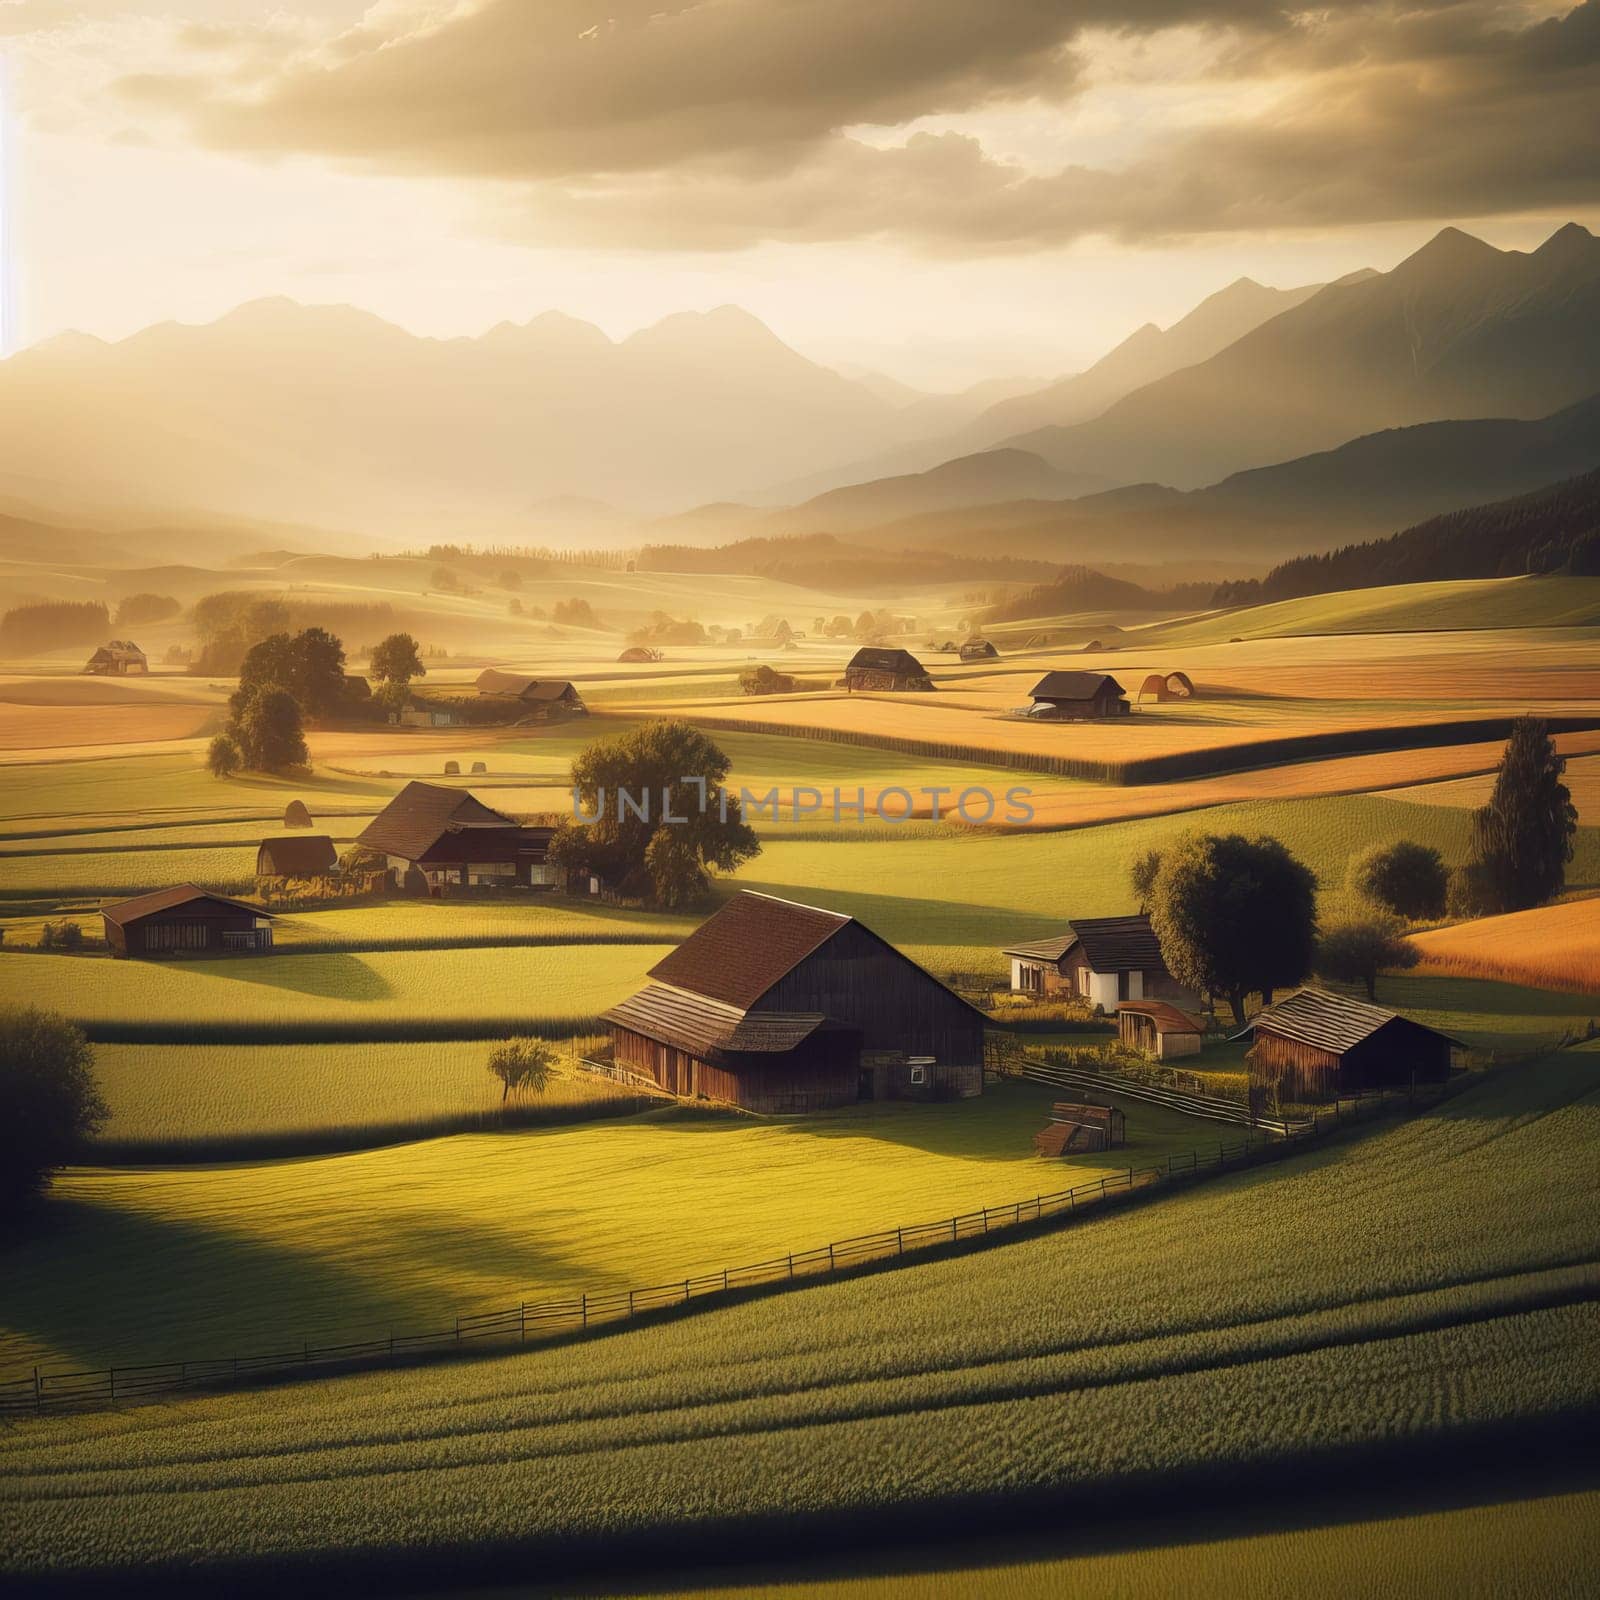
(310, 855)
(1078, 696)
(979, 650)
(876, 667)
(781, 1007)
(542, 699)
(450, 838)
(1316, 1045)
(1076, 1128)
(186, 921)
(1104, 960)
(120, 658)
(1157, 1030)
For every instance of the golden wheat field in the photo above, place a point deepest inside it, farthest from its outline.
(1582, 780)
(1549, 947)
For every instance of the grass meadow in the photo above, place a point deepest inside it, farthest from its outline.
(1364, 1312)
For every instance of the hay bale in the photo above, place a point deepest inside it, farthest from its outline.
(295, 815)
(452, 769)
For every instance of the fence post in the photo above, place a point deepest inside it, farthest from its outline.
(899, 1241)
(830, 1257)
(522, 1322)
(791, 1263)
(38, 1392)
(583, 1307)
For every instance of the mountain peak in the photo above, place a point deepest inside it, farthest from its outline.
(1566, 243)
(1450, 247)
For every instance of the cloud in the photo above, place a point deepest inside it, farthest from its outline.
(723, 123)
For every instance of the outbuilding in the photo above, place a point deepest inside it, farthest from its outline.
(186, 921)
(876, 667)
(781, 1007)
(307, 855)
(1316, 1045)
(450, 838)
(979, 650)
(1078, 697)
(542, 699)
(1156, 1029)
(120, 658)
(1104, 960)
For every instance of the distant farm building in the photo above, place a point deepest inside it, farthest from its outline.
(542, 699)
(1162, 687)
(1077, 697)
(1076, 1129)
(1156, 1029)
(1315, 1045)
(978, 650)
(876, 667)
(781, 1007)
(186, 921)
(311, 855)
(637, 654)
(449, 838)
(1104, 960)
(120, 658)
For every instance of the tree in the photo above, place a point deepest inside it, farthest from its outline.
(523, 1065)
(268, 731)
(1142, 875)
(1358, 950)
(1523, 837)
(309, 664)
(49, 1104)
(1406, 878)
(395, 662)
(1235, 916)
(134, 610)
(665, 779)
(574, 613)
(222, 757)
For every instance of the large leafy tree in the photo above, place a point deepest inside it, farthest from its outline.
(49, 1104)
(1235, 916)
(268, 731)
(1406, 878)
(632, 786)
(309, 664)
(395, 662)
(1523, 836)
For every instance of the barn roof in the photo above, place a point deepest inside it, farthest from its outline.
(1074, 685)
(305, 856)
(421, 813)
(1110, 944)
(522, 685)
(878, 658)
(706, 1027)
(1167, 1018)
(1328, 1021)
(1042, 949)
(182, 894)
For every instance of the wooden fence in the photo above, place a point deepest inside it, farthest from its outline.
(530, 1320)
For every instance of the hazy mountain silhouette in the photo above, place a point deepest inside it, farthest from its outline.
(1458, 329)
(330, 415)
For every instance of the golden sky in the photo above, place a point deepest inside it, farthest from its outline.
(941, 189)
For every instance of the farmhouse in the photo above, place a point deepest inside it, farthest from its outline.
(1315, 1045)
(979, 650)
(543, 699)
(1156, 1029)
(117, 659)
(1077, 696)
(1104, 960)
(781, 1007)
(450, 838)
(876, 667)
(185, 921)
(311, 855)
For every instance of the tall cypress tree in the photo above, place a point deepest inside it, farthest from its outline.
(1523, 836)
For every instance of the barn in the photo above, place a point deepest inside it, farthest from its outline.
(542, 699)
(781, 1007)
(186, 921)
(1077, 697)
(1156, 1029)
(310, 855)
(1104, 960)
(1316, 1045)
(877, 667)
(979, 650)
(120, 658)
(452, 839)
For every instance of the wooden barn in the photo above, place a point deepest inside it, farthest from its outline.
(1104, 960)
(978, 650)
(781, 1007)
(1164, 686)
(120, 658)
(449, 838)
(1315, 1045)
(877, 667)
(541, 699)
(186, 921)
(1085, 1128)
(1158, 1030)
(1078, 697)
(311, 855)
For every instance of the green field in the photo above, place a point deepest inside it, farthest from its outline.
(1366, 1310)
(220, 1259)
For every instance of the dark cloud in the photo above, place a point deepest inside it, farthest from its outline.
(719, 124)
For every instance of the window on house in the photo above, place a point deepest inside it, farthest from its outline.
(919, 1074)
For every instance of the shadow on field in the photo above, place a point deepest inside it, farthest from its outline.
(335, 975)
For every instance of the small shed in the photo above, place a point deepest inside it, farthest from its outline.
(1316, 1045)
(1076, 1128)
(309, 855)
(979, 650)
(1078, 696)
(877, 667)
(118, 659)
(186, 921)
(1162, 687)
(1157, 1030)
